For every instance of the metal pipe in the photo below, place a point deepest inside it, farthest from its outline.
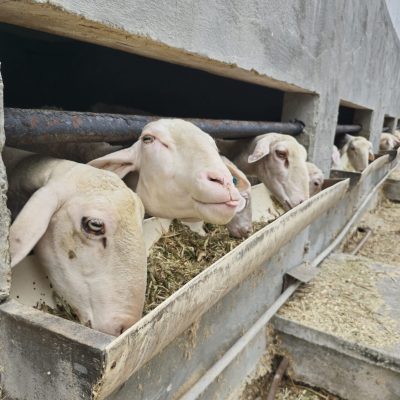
(27, 126)
(36, 126)
(360, 244)
(340, 129)
(205, 381)
(283, 365)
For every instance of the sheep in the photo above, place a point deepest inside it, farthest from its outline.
(356, 154)
(85, 226)
(316, 178)
(388, 142)
(336, 163)
(176, 170)
(277, 160)
(241, 224)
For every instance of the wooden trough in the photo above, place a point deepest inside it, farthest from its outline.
(168, 350)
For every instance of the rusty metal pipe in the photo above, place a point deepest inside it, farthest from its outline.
(37, 126)
(360, 244)
(24, 126)
(276, 381)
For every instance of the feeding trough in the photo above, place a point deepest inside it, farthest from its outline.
(90, 363)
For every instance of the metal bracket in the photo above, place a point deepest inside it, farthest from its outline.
(339, 174)
(391, 153)
(304, 272)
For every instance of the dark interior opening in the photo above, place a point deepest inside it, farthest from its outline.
(388, 124)
(346, 115)
(40, 70)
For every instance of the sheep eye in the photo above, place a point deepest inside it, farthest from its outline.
(148, 139)
(93, 226)
(316, 183)
(281, 154)
(235, 180)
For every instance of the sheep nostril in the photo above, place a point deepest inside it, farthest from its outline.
(216, 177)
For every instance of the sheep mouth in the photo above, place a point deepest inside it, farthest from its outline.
(229, 203)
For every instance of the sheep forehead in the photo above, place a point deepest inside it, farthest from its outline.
(90, 179)
(313, 169)
(179, 131)
(361, 141)
(295, 149)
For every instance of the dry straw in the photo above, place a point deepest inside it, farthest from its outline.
(180, 255)
(344, 300)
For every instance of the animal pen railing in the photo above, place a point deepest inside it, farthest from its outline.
(191, 343)
(25, 126)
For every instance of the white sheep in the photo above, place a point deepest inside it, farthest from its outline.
(176, 170)
(85, 226)
(277, 160)
(356, 154)
(388, 142)
(316, 178)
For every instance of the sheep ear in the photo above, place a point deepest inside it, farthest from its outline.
(31, 223)
(262, 148)
(121, 162)
(260, 151)
(241, 182)
(347, 138)
(371, 156)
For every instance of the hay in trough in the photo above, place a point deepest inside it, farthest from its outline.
(177, 257)
(383, 244)
(180, 254)
(296, 391)
(344, 300)
(62, 308)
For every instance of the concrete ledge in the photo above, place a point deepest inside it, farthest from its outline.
(346, 367)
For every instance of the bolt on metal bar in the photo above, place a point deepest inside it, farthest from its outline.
(37, 126)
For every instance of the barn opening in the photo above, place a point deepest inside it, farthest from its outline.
(389, 124)
(40, 70)
(357, 119)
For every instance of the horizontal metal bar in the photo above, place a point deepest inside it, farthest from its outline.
(37, 126)
(348, 129)
(29, 126)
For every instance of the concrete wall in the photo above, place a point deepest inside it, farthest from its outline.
(346, 50)
(5, 271)
(394, 12)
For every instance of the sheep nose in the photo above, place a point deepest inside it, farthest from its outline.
(215, 177)
(245, 231)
